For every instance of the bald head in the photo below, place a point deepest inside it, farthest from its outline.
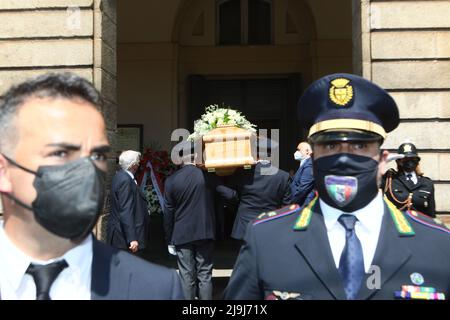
(304, 148)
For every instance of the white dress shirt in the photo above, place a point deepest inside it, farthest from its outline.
(73, 283)
(131, 175)
(302, 162)
(413, 176)
(367, 228)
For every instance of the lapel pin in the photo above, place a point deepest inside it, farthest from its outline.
(417, 278)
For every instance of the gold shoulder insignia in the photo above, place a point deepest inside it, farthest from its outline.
(262, 215)
(275, 214)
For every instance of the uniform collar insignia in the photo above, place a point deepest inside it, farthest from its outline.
(401, 223)
(304, 218)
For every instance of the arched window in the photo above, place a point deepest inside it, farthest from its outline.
(244, 22)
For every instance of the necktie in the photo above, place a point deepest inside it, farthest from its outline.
(44, 275)
(351, 264)
(409, 177)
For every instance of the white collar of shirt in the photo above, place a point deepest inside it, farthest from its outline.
(15, 283)
(413, 176)
(302, 162)
(367, 228)
(130, 174)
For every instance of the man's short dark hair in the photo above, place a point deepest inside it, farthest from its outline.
(51, 85)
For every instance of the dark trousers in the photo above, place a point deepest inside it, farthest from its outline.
(195, 265)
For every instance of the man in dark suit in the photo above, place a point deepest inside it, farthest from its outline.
(129, 218)
(302, 186)
(263, 187)
(349, 242)
(52, 182)
(189, 223)
(408, 188)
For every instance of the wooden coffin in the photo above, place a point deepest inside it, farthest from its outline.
(229, 147)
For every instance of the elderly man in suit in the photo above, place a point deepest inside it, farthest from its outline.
(128, 222)
(52, 181)
(302, 186)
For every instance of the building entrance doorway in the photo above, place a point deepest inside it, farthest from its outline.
(267, 103)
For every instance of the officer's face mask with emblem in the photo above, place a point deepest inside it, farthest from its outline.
(69, 197)
(346, 181)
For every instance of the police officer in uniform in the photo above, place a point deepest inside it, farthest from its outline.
(349, 242)
(408, 188)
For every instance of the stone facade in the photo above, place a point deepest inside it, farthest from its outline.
(394, 44)
(405, 48)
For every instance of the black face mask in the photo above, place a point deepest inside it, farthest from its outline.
(346, 181)
(410, 165)
(69, 197)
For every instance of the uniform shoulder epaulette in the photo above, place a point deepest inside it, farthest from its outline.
(428, 221)
(275, 214)
(304, 218)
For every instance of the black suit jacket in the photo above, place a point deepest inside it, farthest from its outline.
(189, 205)
(129, 216)
(278, 258)
(399, 189)
(118, 275)
(258, 192)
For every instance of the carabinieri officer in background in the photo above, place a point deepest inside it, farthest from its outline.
(407, 187)
(349, 242)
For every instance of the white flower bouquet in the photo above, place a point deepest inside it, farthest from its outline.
(215, 117)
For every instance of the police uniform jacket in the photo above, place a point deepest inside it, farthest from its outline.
(287, 256)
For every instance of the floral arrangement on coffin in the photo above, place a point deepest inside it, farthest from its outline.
(215, 117)
(154, 169)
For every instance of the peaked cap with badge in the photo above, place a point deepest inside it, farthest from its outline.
(287, 253)
(346, 107)
(409, 150)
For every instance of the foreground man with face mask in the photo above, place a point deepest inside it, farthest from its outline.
(53, 161)
(349, 242)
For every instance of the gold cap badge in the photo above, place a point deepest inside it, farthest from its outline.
(407, 148)
(341, 92)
